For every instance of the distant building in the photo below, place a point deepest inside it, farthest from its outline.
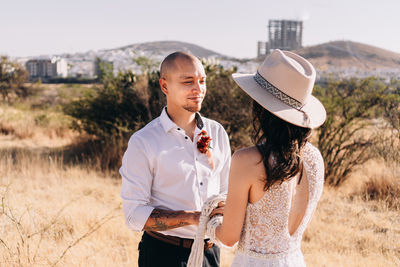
(45, 68)
(282, 34)
(262, 48)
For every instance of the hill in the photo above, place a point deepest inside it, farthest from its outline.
(82, 63)
(167, 47)
(338, 58)
(352, 58)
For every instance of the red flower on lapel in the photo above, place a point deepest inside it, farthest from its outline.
(203, 145)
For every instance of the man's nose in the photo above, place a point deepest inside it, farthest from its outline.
(198, 87)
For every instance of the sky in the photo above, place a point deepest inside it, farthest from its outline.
(230, 27)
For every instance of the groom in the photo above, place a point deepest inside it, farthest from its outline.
(171, 167)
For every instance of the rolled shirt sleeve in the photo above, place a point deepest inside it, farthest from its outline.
(136, 184)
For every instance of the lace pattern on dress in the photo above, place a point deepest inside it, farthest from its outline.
(294, 259)
(265, 232)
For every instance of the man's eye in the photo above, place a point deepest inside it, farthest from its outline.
(188, 82)
(203, 82)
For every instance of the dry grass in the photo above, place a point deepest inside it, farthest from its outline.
(56, 213)
(382, 188)
(42, 126)
(350, 228)
(38, 120)
(70, 215)
(347, 232)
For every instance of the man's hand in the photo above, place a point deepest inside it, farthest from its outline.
(219, 210)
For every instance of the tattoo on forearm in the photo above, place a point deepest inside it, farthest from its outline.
(161, 220)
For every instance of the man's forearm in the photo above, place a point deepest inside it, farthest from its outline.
(162, 220)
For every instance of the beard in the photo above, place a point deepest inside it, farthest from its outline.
(193, 108)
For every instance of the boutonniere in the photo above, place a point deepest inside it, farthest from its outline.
(203, 145)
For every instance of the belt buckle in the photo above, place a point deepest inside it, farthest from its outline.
(208, 244)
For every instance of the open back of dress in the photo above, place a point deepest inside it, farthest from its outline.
(299, 202)
(266, 238)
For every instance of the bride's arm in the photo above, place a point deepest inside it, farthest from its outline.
(236, 202)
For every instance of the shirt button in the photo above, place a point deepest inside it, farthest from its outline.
(201, 183)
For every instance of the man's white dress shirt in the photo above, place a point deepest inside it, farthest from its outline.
(162, 168)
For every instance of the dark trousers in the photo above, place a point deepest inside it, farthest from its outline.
(156, 253)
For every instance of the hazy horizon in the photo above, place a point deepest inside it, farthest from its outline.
(231, 28)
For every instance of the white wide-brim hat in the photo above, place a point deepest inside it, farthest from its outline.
(283, 85)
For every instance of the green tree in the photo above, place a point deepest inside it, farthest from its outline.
(115, 111)
(110, 116)
(226, 103)
(147, 65)
(122, 105)
(157, 99)
(103, 69)
(12, 79)
(148, 85)
(388, 146)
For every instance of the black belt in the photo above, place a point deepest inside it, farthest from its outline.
(177, 241)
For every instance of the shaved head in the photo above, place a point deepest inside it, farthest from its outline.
(183, 81)
(169, 63)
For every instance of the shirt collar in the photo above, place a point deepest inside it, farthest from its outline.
(199, 121)
(168, 124)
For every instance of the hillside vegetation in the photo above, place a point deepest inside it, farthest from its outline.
(347, 54)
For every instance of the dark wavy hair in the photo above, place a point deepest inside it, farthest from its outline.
(280, 144)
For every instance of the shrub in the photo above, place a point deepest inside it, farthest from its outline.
(350, 131)
(115, 110)
(229, 105)
(349, 137)
(124, 104)
(12, 79)
(382, 188)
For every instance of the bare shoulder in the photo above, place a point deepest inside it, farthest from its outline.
(248, 165)
(248, 156)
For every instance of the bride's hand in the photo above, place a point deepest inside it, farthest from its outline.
(219, 210)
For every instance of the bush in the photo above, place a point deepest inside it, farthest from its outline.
(123, 105)
(382, 188)
(127, 102)
(229, 105)
(12, 79)
(350, 132)
(115, 110)
(350, 136)
(389, 145)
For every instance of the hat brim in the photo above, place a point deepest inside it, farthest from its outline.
(313, 108)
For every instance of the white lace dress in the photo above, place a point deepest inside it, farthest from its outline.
(265, 238)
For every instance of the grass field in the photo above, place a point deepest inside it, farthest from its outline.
(55, 212)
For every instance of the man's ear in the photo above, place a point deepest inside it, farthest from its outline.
(163, 85)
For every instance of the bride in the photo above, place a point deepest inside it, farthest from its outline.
(275, 185)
